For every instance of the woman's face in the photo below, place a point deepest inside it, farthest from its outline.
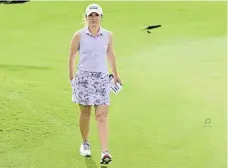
(94, 19)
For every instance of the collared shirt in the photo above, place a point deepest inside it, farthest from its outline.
(100, 32)
(93, 51)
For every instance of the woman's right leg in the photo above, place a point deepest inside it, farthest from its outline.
(84, 122)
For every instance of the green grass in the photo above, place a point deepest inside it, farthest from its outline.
(174, 78)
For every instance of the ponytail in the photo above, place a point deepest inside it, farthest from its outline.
(84, 20)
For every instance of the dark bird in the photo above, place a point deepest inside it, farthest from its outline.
(152, 27)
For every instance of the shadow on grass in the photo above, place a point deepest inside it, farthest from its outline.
(90, 163)
(22, 67)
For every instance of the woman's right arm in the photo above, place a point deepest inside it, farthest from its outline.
(74, 45)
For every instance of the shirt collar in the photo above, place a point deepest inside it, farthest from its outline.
(100, 32)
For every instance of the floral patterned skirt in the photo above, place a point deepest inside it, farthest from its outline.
(91, 88)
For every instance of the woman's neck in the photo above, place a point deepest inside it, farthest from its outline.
(94, 30)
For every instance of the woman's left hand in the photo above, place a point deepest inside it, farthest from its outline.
(117, 79)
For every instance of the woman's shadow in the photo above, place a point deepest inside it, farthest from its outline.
(91, 164)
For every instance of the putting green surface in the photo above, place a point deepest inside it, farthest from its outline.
(174, 79)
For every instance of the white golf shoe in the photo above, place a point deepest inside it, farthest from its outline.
(85, 149)
(105, 158)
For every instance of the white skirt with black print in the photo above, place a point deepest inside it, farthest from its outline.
(91, 88)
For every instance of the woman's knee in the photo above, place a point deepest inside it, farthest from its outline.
(101, 116)
(85, 110)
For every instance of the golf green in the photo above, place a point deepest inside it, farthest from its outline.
(171, 112)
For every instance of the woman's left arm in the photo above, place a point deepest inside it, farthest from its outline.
(112, 58)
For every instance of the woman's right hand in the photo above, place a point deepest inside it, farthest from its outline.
(71, 80)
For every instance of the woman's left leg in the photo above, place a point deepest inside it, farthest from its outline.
(101, 112)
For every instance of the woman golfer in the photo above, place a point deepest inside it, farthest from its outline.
(90, 84)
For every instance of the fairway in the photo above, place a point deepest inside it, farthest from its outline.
(174, 83)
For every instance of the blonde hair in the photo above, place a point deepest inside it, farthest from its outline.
(84, 20)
